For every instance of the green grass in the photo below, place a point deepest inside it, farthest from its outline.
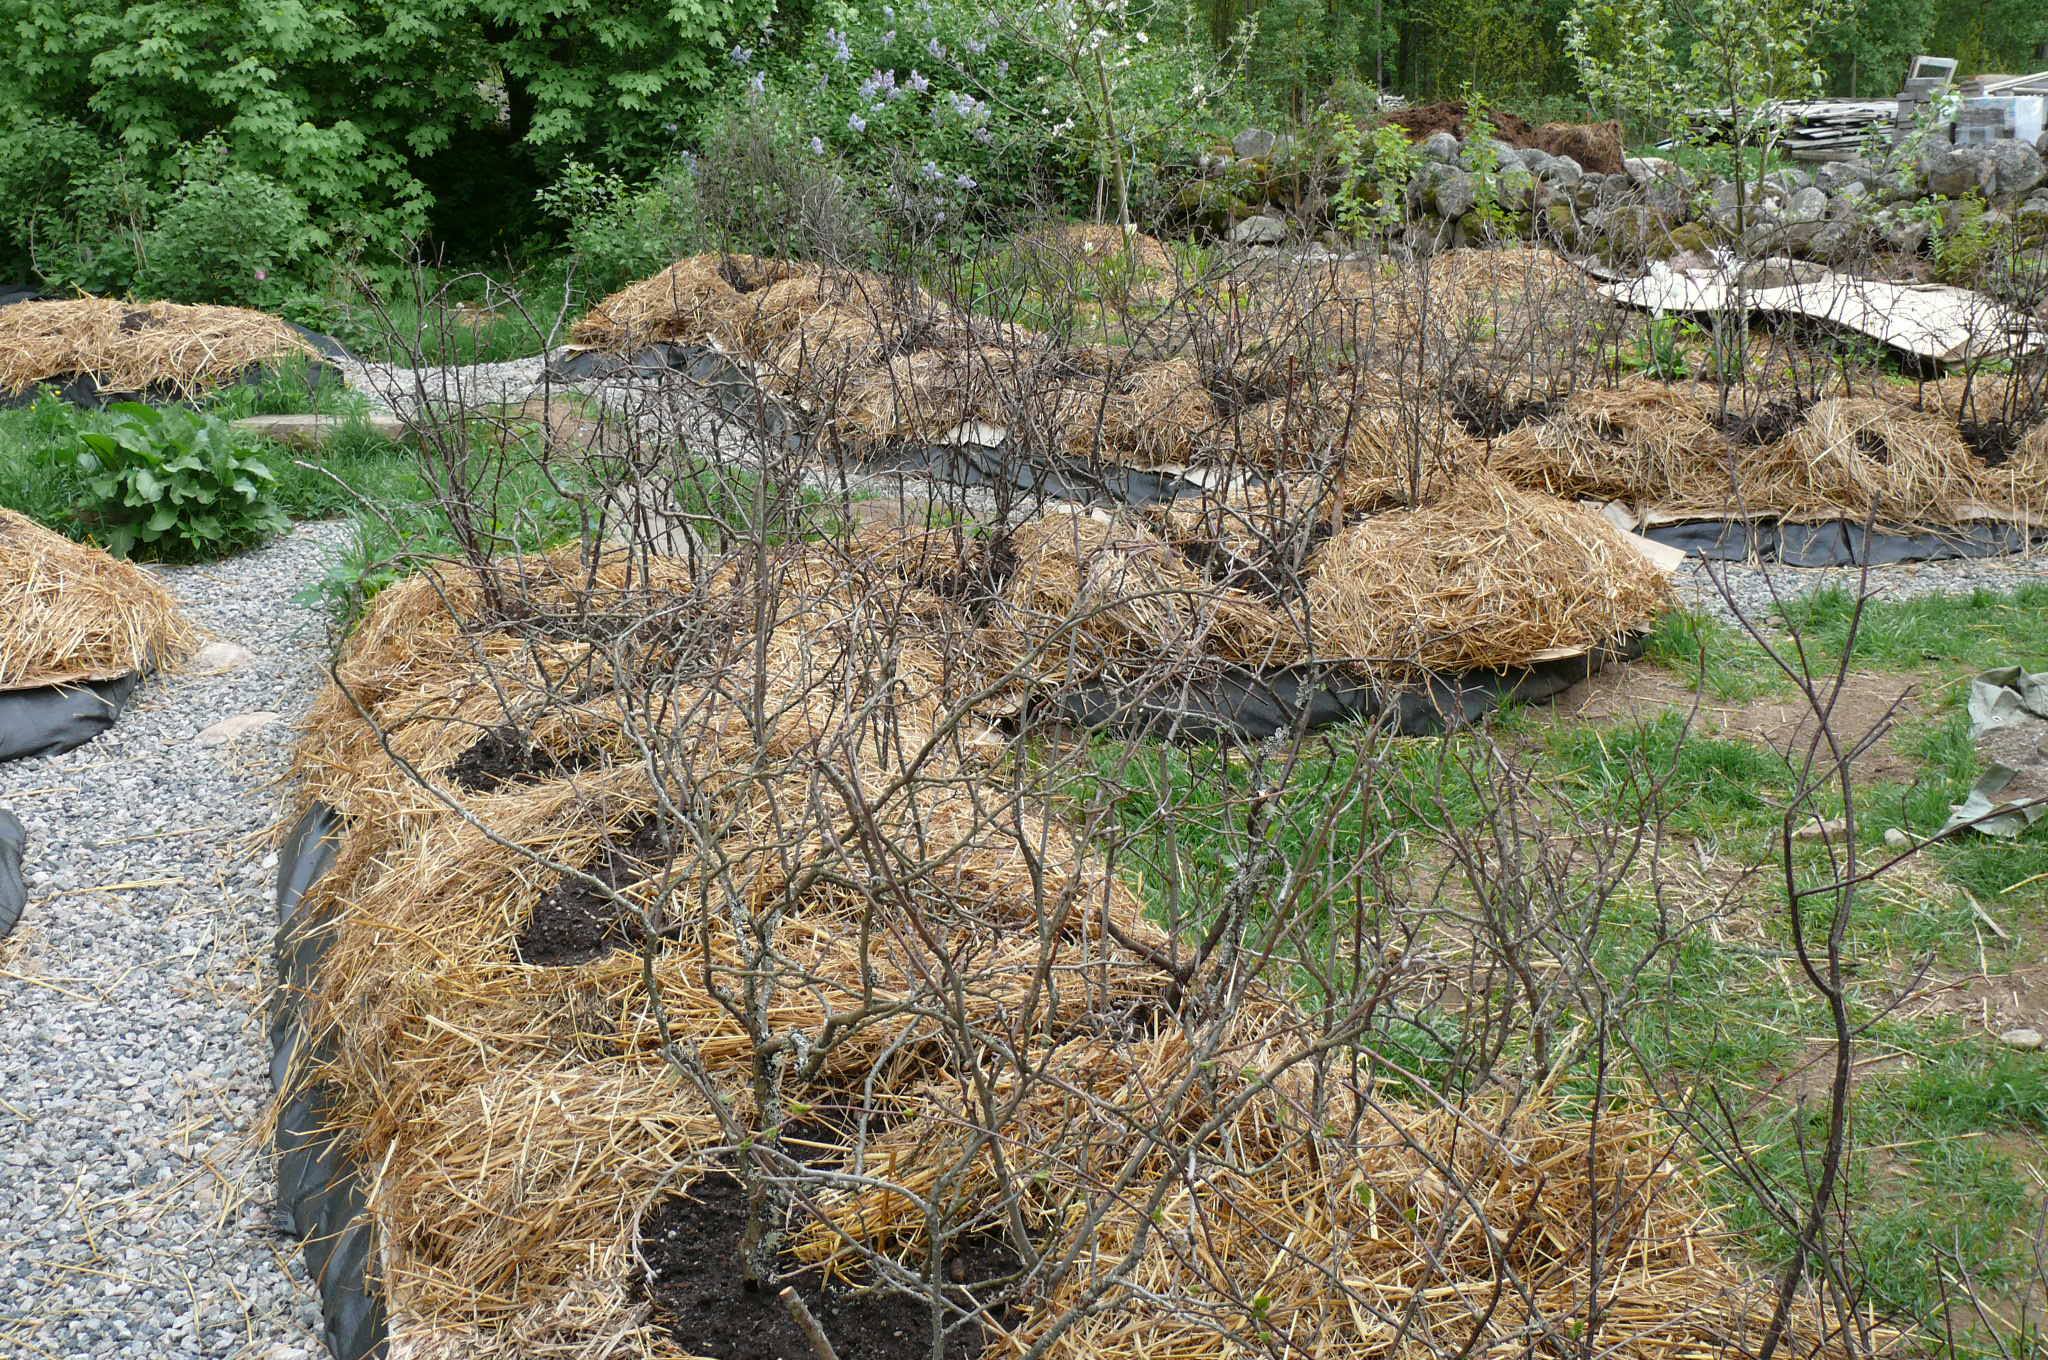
(1951, 1130)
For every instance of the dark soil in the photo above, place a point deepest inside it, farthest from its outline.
(1595, 146)
(1765, 425)
(1233, 392)
(575, 923)
(1993, 442)
(1487, 414)
(505, 755)
(692, 1249)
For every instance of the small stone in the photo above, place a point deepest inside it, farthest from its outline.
(1898, 840)
(2027, 1039)
(232, 729)
(218, 658)
(1827, 830)
(1260, 229)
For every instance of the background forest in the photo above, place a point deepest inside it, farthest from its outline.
(236, 150)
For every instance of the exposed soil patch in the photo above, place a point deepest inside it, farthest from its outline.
(1993, 442)
(692, 1249)
(1595, 146)
(575, 923)
(1783, 723)
(505, 755)
(1766, 425)
(1487, 414)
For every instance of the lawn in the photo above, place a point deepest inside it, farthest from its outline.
(1946, 946)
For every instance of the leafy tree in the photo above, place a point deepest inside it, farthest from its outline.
(346, 108)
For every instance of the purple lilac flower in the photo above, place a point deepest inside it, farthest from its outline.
(984, 136)
(817, 146)
(856, 122)
(841, 52)
(889, 38)
(918, 82)
(977, 47)
(936, 49)
(931, 170)
(742, 55)
(1003, 70)
(964, 181)
(758, 85)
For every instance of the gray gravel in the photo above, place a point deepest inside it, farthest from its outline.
(136, 1210)
(1755, 590)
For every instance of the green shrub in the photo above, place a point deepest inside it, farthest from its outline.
(947, 109)
(1374, 169)
(618, 231)
(173, 483)
(228, 235)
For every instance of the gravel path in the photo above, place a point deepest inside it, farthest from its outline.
(135, 1214)
(1755, 589)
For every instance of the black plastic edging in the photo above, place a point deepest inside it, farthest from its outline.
(318, 1183)
(1243, 704)
(729, 386)
(1838, 543)
(50, 719)
(13, 887)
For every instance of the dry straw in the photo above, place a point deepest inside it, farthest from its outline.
(1093, 593)
(139, 347)
(517, 1121)
(70, 613)
(1267, 1219)
(1487, 576)
(1860, 456)
(1644, 442)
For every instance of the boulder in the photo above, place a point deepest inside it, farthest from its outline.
(1254, 143)
(1790, 180)
(1837, 241)
(2015, 168)
(1561, 171)
(1904, 234)
(1595, 146)
(1441, 146)
(1454, 192)
(1836, 176)
(1953, 170)
(1806, 205)
(1260, 229)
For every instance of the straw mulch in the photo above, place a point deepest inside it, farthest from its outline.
(1487, 576)
(1139, 265)
(702, 297)
(138, 347)
(1639, 441)
(1256, 1221)
(71, 614)
(516, 1118)
(1863, 456)
(1094, 594)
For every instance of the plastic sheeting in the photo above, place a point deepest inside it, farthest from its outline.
(1836, 543)
(13, 887)
(2009, 725)
(980, 458)
(318, 1184)
(1251, 705)
(53, 718)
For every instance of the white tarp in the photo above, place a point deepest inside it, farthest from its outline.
(1929, 320)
